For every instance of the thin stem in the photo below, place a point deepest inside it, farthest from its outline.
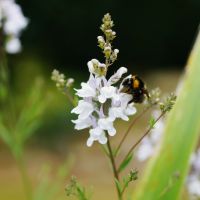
(130, 127)
(69, 96)
(114, 168)
(145, 134)
(105, 150)
(25, 179)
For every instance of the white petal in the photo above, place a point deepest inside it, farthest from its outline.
(91, 67)
(86, 91)
(194, 187)
(84, 109)
(116, 77)
(96, 132)
(13, 46)
(103, 139)
(102, 99)
(125, 99)
(106, 93)
(107, 124)
(90, 141)
(145, 150)
(130, 110)
(82, 124)
(117, 112)
(112, 131)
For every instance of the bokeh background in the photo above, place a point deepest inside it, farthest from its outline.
(154, 39)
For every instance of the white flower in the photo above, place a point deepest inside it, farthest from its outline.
(194, 188)
(14, 19)
(145, 150)
(12, 22)
(96, 134)
(92, 65)
(107, 92)
(69, 82)
(84, 109)
(97, 68)
(13, 46)
(82, 123)
(117, 76)
(107, 125)
(116, 51)
(117, 112)
(196, 161)
(130, 109)
(86, 91)
(193, 179)
(97, 93)
(100, 39)
(149, 144)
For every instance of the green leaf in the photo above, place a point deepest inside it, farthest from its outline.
(152, 122)
(125, 163)
(5, 134)
(179, 140)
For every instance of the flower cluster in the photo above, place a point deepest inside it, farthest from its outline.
(101, 100)
(61, 82)
(105, 42)
(193, 181)
(12, 22)
(101, 104)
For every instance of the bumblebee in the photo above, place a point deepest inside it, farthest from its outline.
(136, 87)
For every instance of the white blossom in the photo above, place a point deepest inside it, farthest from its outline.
(12, 22)
(13, 46)
(193, 179)
(149, 143)
(107, 92)
(102, 100)
(96, 134)
(117, 76)
(101, 103)
(84, 109)
(86, 91)
(69, 82)
(107, 125)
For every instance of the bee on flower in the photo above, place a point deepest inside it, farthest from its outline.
(102, 101)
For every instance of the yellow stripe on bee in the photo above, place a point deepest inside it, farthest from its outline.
(136, 83)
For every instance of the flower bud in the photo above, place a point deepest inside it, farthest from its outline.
(101, 41)
(70, 82)
(107, 51)
(102, 69)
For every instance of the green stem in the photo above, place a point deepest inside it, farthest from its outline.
(145, 134)
(129, 129)
(114, 168)
(25, 178)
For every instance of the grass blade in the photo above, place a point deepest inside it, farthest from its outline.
(165, 175)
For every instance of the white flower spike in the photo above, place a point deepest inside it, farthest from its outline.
(101, 99)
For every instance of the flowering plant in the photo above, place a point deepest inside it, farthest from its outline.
(103, 100)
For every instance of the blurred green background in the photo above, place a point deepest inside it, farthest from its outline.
(154, 39)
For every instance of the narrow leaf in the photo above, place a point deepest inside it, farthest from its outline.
(179, 141)
(125, 163)
(119, 187)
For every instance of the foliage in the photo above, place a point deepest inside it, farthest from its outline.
(74, 188)
(179, 141)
